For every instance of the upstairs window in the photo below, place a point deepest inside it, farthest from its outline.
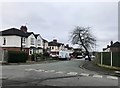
(32, 41)
(38, 42)
(4, 41)
(52, 48)
(23, 40)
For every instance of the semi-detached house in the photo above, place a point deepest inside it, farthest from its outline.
(19, 39)
(55, 47)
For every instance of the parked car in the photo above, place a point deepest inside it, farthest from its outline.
(92, 57)
(79, 57)
(54, 55)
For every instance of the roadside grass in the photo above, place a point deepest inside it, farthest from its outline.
(109, 67)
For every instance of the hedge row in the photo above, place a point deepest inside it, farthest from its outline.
(17, 56)
(40, 56)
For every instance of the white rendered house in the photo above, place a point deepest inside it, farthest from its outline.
(19, 39)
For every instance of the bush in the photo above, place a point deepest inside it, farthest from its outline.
(46, 54)
(17, 56)
(39, 56)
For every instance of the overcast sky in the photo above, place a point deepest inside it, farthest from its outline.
(58, 19)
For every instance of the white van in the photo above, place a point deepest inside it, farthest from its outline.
(64, 55)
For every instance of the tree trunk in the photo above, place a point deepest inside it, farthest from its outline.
(87, 52)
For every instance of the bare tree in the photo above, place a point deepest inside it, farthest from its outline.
(82, 37)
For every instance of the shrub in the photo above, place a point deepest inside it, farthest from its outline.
(17, 56)
(37, 56)
(46, 54)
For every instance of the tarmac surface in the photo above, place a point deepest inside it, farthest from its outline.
(90, 65)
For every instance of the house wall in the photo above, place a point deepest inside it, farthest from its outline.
(54, 48)
(61, 47)
(11, 41)
(12, 48)
(115, 49)
(107, 50)
(45, 45)
(28, 44)
(39, 42)
(1, 41)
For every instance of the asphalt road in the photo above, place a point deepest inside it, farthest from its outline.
(61, 73)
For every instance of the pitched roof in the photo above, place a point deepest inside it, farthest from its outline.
(44, 40)
(116, 44)
(29, 33)
(13, 31)
(52, 43)
(69, 48)
(36, 35)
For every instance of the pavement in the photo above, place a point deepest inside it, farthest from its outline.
(30, 62)
(90, 65)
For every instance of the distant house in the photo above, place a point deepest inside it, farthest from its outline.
(69, 49)
(55, 47)
(113, 47)
(14, 39)
(45, 44)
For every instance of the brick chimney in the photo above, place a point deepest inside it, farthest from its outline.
(111, 42)
(23, 28)
(55, 40)
(67, 45)
(107, 46)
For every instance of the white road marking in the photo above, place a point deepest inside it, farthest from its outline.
(3, 78)
(29, 69)
(84, 74)
(117, 72)
(50, 71)
(112, 77)
(59, 72)
(40, 70)
(97, 76)
(72, 73)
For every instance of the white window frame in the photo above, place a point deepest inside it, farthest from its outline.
(32, 41)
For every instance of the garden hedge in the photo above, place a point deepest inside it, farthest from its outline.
(17, 56)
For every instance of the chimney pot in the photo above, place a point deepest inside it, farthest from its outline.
(23, 28)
